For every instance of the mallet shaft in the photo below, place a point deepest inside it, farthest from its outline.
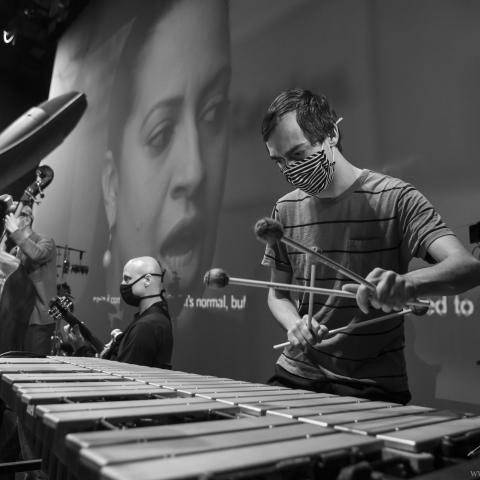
(405, 311)
(313, 272)
(359, 324)
(345, 271)
(328, 261)
(290, 287)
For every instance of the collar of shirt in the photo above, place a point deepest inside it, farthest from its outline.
(161, 306)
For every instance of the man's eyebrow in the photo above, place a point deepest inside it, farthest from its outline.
(295, 148)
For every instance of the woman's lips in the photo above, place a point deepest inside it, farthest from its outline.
(178, 263)
(182, 243)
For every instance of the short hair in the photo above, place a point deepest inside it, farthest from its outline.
(314, 115)
(122, 91)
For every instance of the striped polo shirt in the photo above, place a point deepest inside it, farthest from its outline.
(380, 221)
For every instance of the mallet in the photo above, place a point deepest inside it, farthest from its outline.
(218, 278)
(270, 231)
(351, 326)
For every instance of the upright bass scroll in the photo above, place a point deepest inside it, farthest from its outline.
(44, 176)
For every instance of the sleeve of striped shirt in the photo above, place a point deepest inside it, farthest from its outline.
(276, 255)
(419, 221)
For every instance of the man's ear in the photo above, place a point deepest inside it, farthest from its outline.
(333, 137)
(110, 188)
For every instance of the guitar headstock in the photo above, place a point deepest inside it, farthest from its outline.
(55, 313)
(65, 303)
(60, 308)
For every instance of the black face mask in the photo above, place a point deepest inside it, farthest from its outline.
(134, 300)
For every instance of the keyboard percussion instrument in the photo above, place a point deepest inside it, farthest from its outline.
(94, 419)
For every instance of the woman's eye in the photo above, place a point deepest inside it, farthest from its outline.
(160, 137)
(215, 112)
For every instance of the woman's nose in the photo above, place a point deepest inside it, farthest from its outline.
(189, 167)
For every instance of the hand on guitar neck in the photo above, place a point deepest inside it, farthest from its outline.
(60, 309)
(111, 348)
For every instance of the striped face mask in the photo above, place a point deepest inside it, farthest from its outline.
(312, 175)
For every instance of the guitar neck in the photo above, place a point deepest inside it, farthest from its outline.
(84, 330)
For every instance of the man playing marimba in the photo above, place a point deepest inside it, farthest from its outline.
(371, 223)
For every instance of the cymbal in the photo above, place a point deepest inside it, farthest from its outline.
(25, 142)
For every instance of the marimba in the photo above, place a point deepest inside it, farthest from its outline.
(89, 418)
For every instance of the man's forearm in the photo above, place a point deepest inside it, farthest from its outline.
(282, 308)
(40, 251)
(451, 276)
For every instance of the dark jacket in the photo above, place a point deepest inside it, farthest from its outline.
(148, 340)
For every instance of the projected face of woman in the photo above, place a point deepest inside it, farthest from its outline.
(168, 180)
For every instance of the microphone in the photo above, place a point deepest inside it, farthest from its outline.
(38, 132)
(269, 230)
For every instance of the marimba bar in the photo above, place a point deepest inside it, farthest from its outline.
(94, 419)
(343, 416)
